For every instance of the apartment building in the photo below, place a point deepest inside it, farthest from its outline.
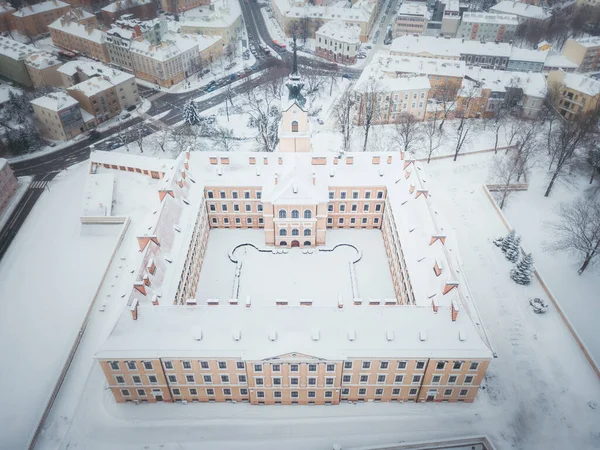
(6, 17)
(419, 346)
(412, 19)
(494, 27)
(522, 11)
(82, 16)
(8, 184)
(178, 6)
(43, 69)
(12, 60)
(450, 17)
(140, 9)
(72, 35)
(220, 18)
(578, 94)
(174, 59)
(33, 20)
(524, 60)
(556, 61)
(338, 42)
(584, 52)
(58, 116)
(118, 42)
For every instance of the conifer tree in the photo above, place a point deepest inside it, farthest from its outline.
(522, 272)
(514, 250)
(507, 241)
(190, 113)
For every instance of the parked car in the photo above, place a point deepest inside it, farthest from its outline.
(115, 145)
(125, 116)
(131, 107)
(320, 121)
(211, 88)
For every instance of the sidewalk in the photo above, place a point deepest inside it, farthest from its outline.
(24, 183)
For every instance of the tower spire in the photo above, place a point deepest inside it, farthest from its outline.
(295, 60)
(295, 83)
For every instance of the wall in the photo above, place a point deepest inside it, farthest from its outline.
(36, 24)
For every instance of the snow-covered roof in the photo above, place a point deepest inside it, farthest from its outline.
(533, 84)
(338, 30)
(98, 195)
(86, 116)
(451, 6)
(423, 66)
(128, 160)
(591, 41)
(172, 45)
(558, 61)
(95, 69)
(55, 101)
(3, 163)
(120, 5)
(220, 14)
(320, 332)
(40, 8)
(581, 83)
(520, 9)
(387, 83)
(76, 29)
(447, 47)
(42, 60)
(523, 54)
(14, 49)
(482, 17)
(295, 187)
(361, 11)
(78, 14)
(413, 9)
(92, 86)
(5, 8)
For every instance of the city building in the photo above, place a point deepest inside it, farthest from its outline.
(33, 20)
(338, 42)
(584, 52)
(8, 184)
(6, 17)
(58, 116)
(72, 35)
(556, 61)
(82, 16)
(174, 59)
(12, 60)
(178, 6)
(43, 69)
(450, 17)
(578, 94)
(522, 11)
(150, 30)
(141, 9)
(220, 18)
(412, 19)
(479, 26)
(118, 42)
(523, 60)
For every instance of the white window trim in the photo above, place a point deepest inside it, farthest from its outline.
(117, 381)
(152, 375)
(190, 375)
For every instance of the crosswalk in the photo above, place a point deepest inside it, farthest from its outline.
(38, 185)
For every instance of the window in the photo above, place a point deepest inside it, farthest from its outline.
(141, 392)
(436, 379)
(412, 392)
(211, 194)
(282, 214)
(234, 194)
(207, 379)
(364, 378)
(354, 207)
(366, 208)
(366, 365)
(416, 379)
(277, 381)
(377, 208)
(190, 379)
(243, 391)
(193, 391)
(384, 365)
(226, 221)
(474, 366)
(136, 379)
(376, 220)
(330, 208)
(131, 365)
(347, 364)
(364, 220)
(307, 232)
(401, 365)
(329, 381)
(452, 379)
(346, 378)
(295, 214)
(312, 394)
(330, 220)
(367, 194)
(295, 232)
(379, 392)
(176, 391)
(222, 194)
(343, 207)
(114, 365)
(331, 194)
(242, 379)
(276, 367)
(362, 391)
(246, 194)
(283, 232)
(259, 208)
(463, 392)
(312, 367)
(294, 381)
(277, 394)
(186, 365)
(312, 381)
(354, 194)
(259, 381)
(120, 379)
(399, 379)
(420, 364)
(204, 364)
(379, 194)
(294, 368)
(238, 220)
(447, 392)
(330, 367)
(307, 214)
(259, 194)
(345, 391)
(125, 392)
(225, 379)
(224, 208)
(213, 208)
(260, 394)
(328, 394)
(469, 379)
(172, 379)
(226, 391)
(294, 126)
(343, 195)
(381, 378)
(210, 392)
(248, 207)
(440, 365)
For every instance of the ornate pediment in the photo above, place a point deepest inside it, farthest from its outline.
(292, 356)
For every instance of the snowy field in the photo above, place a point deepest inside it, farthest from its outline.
(297, 274)
(48, 277)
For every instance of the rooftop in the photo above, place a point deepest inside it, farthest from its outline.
(15, 50)
(592, 41)
(447, 47)
(533, 84)
(92, 86)
(56, 101)
(95, 69)
(560, 62)
(337, 29)
(491, 17)
(361, 11)
(98, 195)
(523, 54)
(414, 64)
(582, 83)
(172, 45)
(120, 5)
(222, 15)
(413, 9)
(42, 60)
(40, 8)
(69, 26)
(520, 9)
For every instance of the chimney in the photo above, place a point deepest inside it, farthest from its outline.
(340, 302)
(233, 301)
(134, 309)
(140, 287)
(276, 178)
(314, 178)
(455, 310)
(146, 280)
(449, 286)
(248, 302)
(212, 302)
(437, 268)
(155, 300)
(191, 302)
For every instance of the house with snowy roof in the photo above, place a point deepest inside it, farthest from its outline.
(33, 20)
(578, 94)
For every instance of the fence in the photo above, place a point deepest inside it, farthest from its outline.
(476, 152)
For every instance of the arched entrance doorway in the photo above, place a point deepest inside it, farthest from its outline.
(295, 244)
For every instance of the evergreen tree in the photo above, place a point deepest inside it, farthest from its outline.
(507, 241)
(514, 250)
(190, 113)
(522, 272)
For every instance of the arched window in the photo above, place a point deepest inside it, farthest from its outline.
(307, 232)
(283, 232)
(282, 214)
(307, 213)
(283, 244)
(295, 126)
(295, 214)
(295, 232)
(307, 243)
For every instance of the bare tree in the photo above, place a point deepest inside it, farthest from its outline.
(548, 112)
(592, 158)
(578, 230)
(446, 96)
(463, 132)
(314, 82)
(224, 139)
(262, 105)
(162, 137)
(343, 115)
(527, 145)
(407, 132)
(513, 129)
(228, 99)
(139, 139)
(504, 175)
(369, 108)
(230, 53)
(433, 136)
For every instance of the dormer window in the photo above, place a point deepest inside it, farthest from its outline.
(295, 126)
